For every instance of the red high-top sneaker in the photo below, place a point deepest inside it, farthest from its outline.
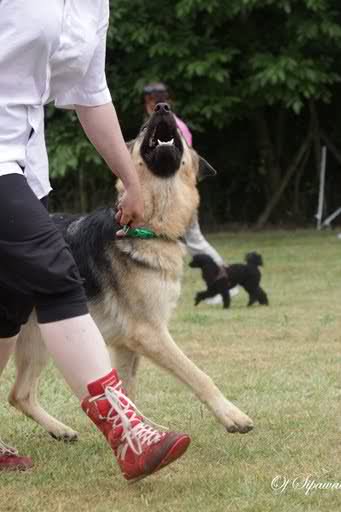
(140, 449)
(11, 461)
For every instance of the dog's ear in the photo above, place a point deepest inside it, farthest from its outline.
(205, 169)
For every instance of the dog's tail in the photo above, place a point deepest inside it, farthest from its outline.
(254, 258)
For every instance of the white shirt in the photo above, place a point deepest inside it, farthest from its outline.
(49, 51)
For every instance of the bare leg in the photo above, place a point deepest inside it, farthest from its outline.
(7, 346)
(80, 353)
(78, 350)
(9, 457)
(31, 357)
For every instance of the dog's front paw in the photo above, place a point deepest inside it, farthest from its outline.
(233, 419)
(63, 433)
(197, 299)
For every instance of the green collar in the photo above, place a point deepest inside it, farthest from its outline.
(143, 233)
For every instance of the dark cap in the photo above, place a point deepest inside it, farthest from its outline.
(155, 87)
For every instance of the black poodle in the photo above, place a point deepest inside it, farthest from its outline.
(219, 280)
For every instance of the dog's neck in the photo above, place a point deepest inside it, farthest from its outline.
(170, 204)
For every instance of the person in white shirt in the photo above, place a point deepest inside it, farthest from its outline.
(55, 51)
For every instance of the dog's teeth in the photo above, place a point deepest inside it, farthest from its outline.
(165, 143)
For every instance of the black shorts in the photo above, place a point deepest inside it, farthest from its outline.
(37, 268)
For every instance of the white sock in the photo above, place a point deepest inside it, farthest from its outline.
(78, 350)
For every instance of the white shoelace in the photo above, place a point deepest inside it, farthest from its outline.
(133, 436)
(7, 450)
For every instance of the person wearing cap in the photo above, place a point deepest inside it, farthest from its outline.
(157, 92)
(55, 51)
(195, 241)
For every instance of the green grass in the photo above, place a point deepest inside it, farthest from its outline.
(280, 364)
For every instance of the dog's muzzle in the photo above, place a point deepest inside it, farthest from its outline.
(162, 147)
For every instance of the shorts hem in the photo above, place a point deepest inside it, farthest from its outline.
(10, 332)
(61, 313)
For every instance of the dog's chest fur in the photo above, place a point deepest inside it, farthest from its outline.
(128, 281)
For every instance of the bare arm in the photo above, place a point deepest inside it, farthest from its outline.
(101, 125)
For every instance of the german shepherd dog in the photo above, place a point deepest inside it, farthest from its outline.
(133, 284)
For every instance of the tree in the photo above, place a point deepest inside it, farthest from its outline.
(262, 67)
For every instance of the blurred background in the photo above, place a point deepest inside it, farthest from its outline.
(257, 82)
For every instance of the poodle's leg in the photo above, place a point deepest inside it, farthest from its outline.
(158, 345)
(262, 297)
(31, 357)
(251, 290)
(252, 300)
(126, 362)
(207, 294)
(226, 298)
(200, 296)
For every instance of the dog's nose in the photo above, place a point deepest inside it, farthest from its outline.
(162, 108)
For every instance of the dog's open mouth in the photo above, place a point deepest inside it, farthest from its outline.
(162, 147)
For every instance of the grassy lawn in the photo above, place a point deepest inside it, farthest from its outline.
(280, 364)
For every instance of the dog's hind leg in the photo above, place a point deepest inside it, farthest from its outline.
(31, 357)
(159, 346)
(257, 295)
(252, 300)
(262, 297)
(126, 362)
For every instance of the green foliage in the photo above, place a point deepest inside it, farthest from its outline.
(254, 52)
(68, 147)
(224, 61)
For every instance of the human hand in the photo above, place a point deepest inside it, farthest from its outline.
(130, 209)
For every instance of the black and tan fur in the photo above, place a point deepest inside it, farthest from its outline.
(133, 285)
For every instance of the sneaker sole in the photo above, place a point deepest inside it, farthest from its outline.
(16, 466)
(175, 452)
